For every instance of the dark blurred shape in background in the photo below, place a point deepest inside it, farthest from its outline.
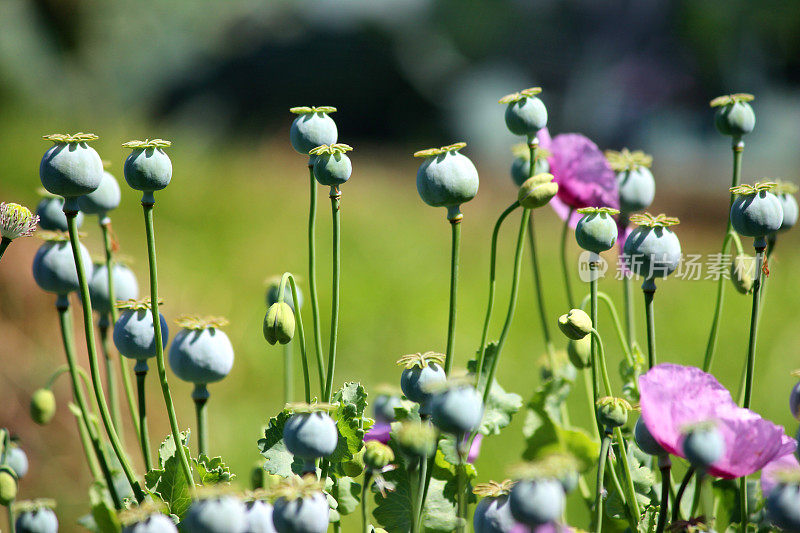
(417, 72)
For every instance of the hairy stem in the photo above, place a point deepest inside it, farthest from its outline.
(626, 469)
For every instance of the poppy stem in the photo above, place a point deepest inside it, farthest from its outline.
(492, 285)
(665, 465)
(312, 277)
(94, 367)
(455, 250)
(144, 437)
(4, 242)
(301, 337)
(626, 469)
(649, 290)
(630, 319)
(684, 483)
(738, 148)
(288, 376)
(336, 213)
(601, 468)
(200, 396)
(564, 267)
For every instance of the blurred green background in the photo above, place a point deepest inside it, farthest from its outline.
(217, 79)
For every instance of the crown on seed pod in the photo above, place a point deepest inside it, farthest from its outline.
(420, 360)
(650, 221)
(627, 160)
(197, 323)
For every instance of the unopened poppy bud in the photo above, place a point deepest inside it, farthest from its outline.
(8, 486)
(43, 406)
(576, 324)
(279, 323)
(743, 269)
(613, 412)
(417, 439)
(537, 191)
(377, 455)
(580, 352)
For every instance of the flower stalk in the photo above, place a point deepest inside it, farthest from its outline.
(312, 277)
(336, 214)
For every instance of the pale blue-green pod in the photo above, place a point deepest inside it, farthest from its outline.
(134, 335)
(521, 166)
(310, 435)
(258, 515)
(103, 199)
(306, 514)
(597, 230)
(332, 170)
(312, 127)
(457, 410)
(637, 188)
(652, 251)
(37, 520)
(125, 286)
(51, 214)
(756, 215)
(155, 523)
(17, 459)
(735, 119)
(71, 168)
(54, 267)
(148, 168)
(526, 116)
(790, 210)
(493, 515)
(447, 178)
(216, 514)
(201, 356)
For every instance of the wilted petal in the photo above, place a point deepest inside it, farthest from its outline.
(674, 397)
(769, 473)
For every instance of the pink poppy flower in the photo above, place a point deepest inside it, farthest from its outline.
(769, 473)
(674, 397)
(584, 177)
(380, 432)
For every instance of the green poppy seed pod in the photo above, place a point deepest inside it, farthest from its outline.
(525, 113)
(332, 167)
(537, 191)
(446, 178)
(743, 268)
(755, 211)
(71, 168)
(576, 324)
(613, 412)
(148, 167)
(279, 323)
(8, 486)
(580, 352)
(377, 455)
(104, 198)
(734, 116)
(312, 127)
(43, 406)
(417, 439)
(596, 230)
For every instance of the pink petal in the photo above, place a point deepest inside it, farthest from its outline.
(582, 172)
(380, 432)
(784, 463)
(674, 396)
(475, 448)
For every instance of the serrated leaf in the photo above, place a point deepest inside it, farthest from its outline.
(347, 494)
(350, 421)
(168, 480)
(279, 460)
(649, 520)
(501, 405)
(212, 471)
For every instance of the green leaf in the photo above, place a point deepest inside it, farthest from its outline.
(543, 437)
(649, 520)
(726, 493)
(168, 480)
(279, 460)
(212, 471)
(350, 421)
(347, 494)
(105, 518)
(501, 405)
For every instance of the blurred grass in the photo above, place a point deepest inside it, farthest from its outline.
(234, 216)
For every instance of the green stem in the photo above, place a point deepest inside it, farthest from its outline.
(678, 497)
(336, 214)
(455, 249)
(623, 339)
(512, 305)
(105, 228)
(649, 290)
(589, 380)
(94, 366)
(744, 517)
(492, 285)
(564, 266)
(422, 489)
(462, 504)
(12, 520)
(65, 322)
(200, 397)
(626, 468)
(754, 319)
(312, 277)
(738, 148)
(111, 382)
(537, 283)
(144, 437)
(86, 442)
(630, 324)
(364, 503)
(601, 359)
(665, 465)
(288, 375)
(148, 202)
(4, 242)
(601, 467)
(301, 337)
